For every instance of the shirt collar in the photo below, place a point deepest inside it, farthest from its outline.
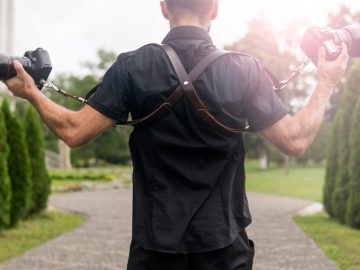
(187, 32)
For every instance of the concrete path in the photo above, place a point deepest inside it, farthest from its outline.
(102, 243)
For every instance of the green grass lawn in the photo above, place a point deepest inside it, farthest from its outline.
(339, 242)
(35, 231)
(301, 182)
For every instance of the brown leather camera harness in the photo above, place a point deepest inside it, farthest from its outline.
(186, 88)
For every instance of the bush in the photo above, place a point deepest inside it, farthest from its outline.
(341, 185)
(41, 182)
(348, 103)
(81, 176)
(18, 166)
(332, 166)
(5, 186)
(353, 205)
(339, 198)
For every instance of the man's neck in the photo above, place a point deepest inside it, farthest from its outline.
(189, 22)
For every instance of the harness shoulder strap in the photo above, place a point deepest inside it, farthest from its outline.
(186, 86)
(186, 82)
(178, 93)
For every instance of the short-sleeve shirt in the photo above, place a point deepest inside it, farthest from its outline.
(189, 179)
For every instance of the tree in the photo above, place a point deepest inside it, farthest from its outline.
(332, 165)
(348, 103)
(353, 204)
(5, 185)
(18, 166)
(339, 182)
(41, 181)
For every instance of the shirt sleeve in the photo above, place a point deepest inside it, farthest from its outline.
(112, 95)
(263, 107)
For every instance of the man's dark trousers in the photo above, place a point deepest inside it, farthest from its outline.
(238, 256)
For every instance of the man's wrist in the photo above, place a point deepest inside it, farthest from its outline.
(326, 84)
(323, 90)
(33, 94)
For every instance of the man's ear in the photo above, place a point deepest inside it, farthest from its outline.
(214, 9)
(164, 10)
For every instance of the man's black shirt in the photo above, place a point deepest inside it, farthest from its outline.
(189, 179)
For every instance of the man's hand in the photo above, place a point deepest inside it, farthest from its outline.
(22, 85)
(330, 72)
(293, 135)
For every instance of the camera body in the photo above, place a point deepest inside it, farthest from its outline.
(37, 63)
(331, 40)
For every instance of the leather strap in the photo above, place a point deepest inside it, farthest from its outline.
(178, 93)
(186, 86)
(190, 92)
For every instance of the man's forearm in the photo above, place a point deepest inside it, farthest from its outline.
(74, 128)
(56, 117)
(308, 121)
(293, 135)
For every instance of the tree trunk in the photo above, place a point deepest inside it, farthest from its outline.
(286, 165)
(263, 159)
(64, 156)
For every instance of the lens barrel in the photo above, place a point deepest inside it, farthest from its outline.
(354, 31)
(331, 40)
(7, 70)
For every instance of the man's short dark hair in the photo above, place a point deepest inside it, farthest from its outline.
(195, 8)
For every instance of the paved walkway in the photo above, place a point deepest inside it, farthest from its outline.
(102, 243)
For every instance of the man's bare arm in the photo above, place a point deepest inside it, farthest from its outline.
(293, 135)
(74, 128)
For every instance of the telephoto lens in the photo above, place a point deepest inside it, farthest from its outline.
(7, 70)
(331, 40)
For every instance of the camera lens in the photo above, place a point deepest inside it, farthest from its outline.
(331, 40)
(7, 70)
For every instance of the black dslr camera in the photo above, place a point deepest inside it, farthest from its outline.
(331, 40)
(37, 63)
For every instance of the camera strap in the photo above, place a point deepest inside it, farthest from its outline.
(187, 88)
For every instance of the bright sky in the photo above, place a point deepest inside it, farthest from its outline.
(72, 30)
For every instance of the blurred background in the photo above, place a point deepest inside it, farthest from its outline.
(84, 37)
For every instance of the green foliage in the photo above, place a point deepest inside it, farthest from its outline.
(112, 146)
(106, 58)
(341, 191)
(344, 150)
(340, 243)
(88, 176)
(316, 153)
(35, 231)
(5, 185)
(41, 182)
(19, 166)
(353, 205)
(332, 165)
